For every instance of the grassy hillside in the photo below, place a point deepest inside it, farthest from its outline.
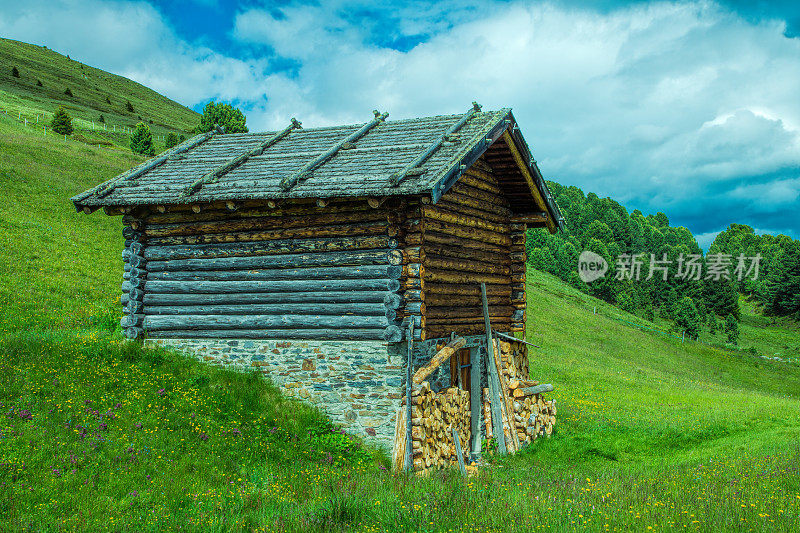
(98, 433)
(94, 92)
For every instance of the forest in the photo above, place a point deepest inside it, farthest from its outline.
(656, 269)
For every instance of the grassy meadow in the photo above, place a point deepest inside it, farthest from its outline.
(101, 434)
(45, 75)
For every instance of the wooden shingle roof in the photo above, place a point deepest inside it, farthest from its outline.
(379, 158)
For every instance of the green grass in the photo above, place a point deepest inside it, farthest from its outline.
(651, 432)
(92, 88)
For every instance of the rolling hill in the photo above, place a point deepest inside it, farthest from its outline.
(98, 433)
(45, 75)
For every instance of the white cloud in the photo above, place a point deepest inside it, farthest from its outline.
(662, 106)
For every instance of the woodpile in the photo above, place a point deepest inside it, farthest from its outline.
(532, 415)
(433, 417)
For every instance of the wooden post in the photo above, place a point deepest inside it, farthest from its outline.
(475, 402)
(409, 459)
(459, 453)
(494, 382)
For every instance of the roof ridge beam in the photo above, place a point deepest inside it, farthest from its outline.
(413, 167)
(304, 173)
(106, 188)
(217, 173)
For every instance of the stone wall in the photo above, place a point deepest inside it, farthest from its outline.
(356, 383)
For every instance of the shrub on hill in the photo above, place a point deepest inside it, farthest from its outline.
(142, 140)
(171, 140)
(68, 92)
(102, 119)
(732, 329)
(687, 319)
(108, 100)
(62, 122)
(129, 106)
(39, 83)
(223, 115)
(15, 72)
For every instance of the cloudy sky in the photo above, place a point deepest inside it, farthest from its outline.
(690, 108)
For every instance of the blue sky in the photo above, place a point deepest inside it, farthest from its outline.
(691, 108)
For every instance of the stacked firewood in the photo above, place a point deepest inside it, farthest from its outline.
(533, 415)
(433, 417)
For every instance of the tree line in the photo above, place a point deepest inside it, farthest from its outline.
(676, 281)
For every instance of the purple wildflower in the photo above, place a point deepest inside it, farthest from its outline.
(25, 414)
(138, 425)
(161, 392)
(203, 436)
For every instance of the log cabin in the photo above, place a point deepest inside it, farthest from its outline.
(336, 259)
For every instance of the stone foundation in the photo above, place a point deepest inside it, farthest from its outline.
(356, 383)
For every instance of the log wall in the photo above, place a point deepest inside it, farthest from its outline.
(305, 270)
(464, 239)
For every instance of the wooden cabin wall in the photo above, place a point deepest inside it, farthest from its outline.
(302, 270)
(464, 239)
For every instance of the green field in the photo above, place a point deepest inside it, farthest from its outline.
(94, 93)
(100, 434)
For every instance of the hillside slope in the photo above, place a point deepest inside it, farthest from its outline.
(94, 91)
(98, 433)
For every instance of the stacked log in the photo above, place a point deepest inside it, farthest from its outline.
(134, 279)
(466, 238)
(534, 416)
(433, 417)
(531, 414)
(303, 269)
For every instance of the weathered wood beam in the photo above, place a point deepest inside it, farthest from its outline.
(311, 297)
(526, 173)
(305, 172)
(441, 356)
(227, 322)
(537, 218)
(538, 389)
(218, 287)
(314, 273)
(314, 308)
(217, 173)
(413, 166)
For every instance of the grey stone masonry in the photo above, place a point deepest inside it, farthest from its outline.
(358, 384)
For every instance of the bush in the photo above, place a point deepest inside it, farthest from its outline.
(62, 122)
(39, 83)
(68, 92)
(732, 329)
(15, 72)
(102, 119)
(171, 140)
(687, 318)
(129, 106)
(181, 138)
(142, 140)
(223, 115)
(108, 100)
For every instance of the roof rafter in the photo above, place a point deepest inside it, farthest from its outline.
(305, 172)
(217, 173)
(413, 168)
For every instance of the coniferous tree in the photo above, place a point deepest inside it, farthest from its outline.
(68, 91)
(39, 83)
(687, 318)
(129, 107)
(142, 140)
(171, 140)
(62, 122)
(732, 329)
(15, 72)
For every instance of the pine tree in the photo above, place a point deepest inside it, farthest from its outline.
(687, 318)
(108, 100)
(15, 72)
(62, 122)
(102, 119)
(68, 92)
(129, 106)
(142, 140)
(732, 329)
(39, 83)
(171, 140)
